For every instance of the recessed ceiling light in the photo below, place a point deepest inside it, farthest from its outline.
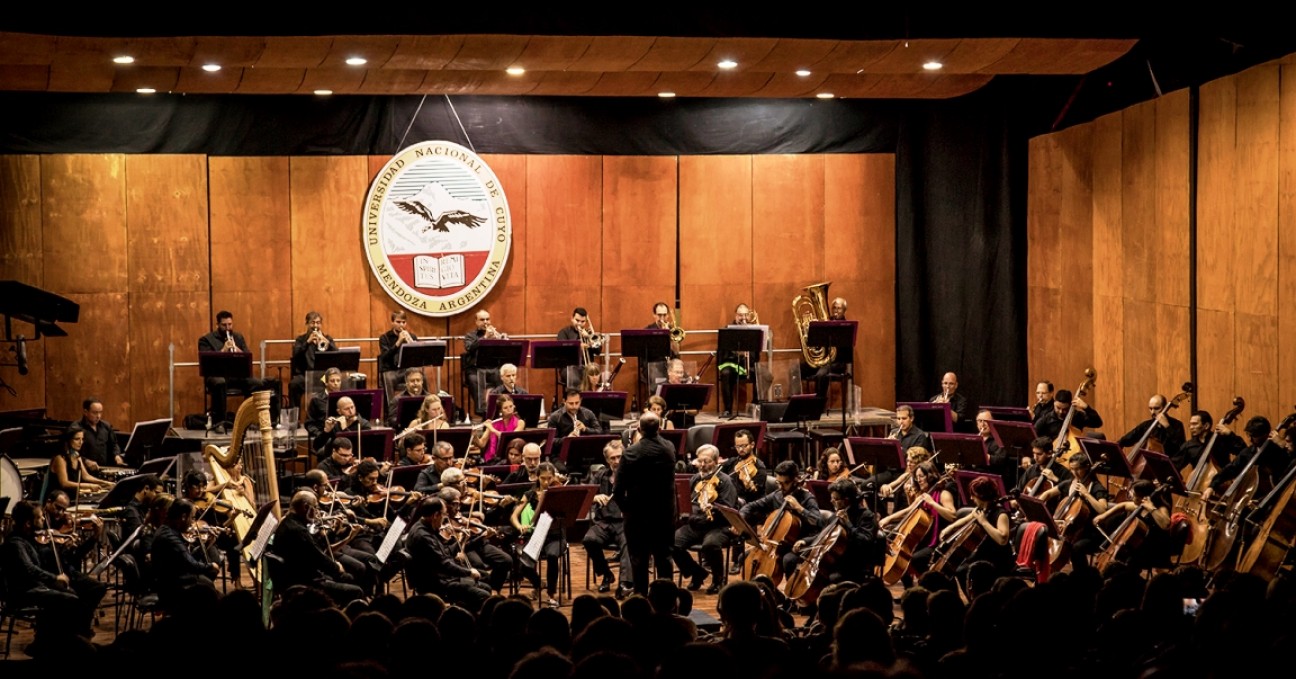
(825, 95)
(933, 65)
(515, 70)
(803, 72)
(727, 64)
(211, 68)
(666, 95)
(323, 93)
(146, 90)
(124, 59)
(357, 61)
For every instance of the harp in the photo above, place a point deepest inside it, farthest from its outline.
(252, 444)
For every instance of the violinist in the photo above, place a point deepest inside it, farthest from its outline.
(74, 540)
(991, 518)
(414, 451)
(934, 498)
(429, 480)
(65, 605)
(340, 461)
(69, 471)
(861, 533)
(345, 533)
(435, 566)
(530, 465)
(317, 409)
(705, 526)
(306, 555)
(524, 519)
(1083, 487)
(210, 510)
(607, 525)
(832, 466)
(488, 440)
(173, 565)
(1154, 549)
(1049, 425)
(1042, 464)
(1168, 430)
(474, 540)
(134, 513)
(796, 498)
(346, 420)
(376, 500)
(746, 470)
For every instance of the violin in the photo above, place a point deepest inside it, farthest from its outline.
(395, 495)
(327, 499)
(58, 538)
(202, 532)
(223, 507)
(705, 493)
(746, 470)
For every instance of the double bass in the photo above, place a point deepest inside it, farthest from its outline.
(1197, 480)
(1118, 485)
(1073, 513)
(1275, 535)
(1067, 442)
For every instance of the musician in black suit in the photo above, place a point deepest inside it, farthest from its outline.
(1274, 451)
(573, 418)
(1050, 424)
(174, 566)
(705, 526)
(1043, 400)
(134, 512)
(346, 420)
(750, 486)
(645, 491)
(1169, 431)
(303, 355)
(1055, 473)
(305, 553)
(962, 409)
(226, 338)
(822, 375)
(390, 342)
(793, 497)
(732, 366)
(607, 527)
(100, 447)
(436, 569)
(860, 525)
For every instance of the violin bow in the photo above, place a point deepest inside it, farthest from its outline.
(58, 563)
(387, 500)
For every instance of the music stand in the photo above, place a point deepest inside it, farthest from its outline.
(255, 527)
(227, 365)
(515, 489)
(1009, 413)
(1034, 509)
(566, 505)
(875, 452)
(820, 490)
(740, 338)
(407, 408)
(931, 417)
(368, 403)
(965, 450)
(347, 360)
(459, 438)
(146, 437)
(646, 345)
(1014, 438)
(579, 452)
(543, 437)
(103, 565)
(528, 407)
(608, 405)
(683, 495)
(722, 436)
(1157, 467)
(679, 439)
(839, 335)
(420, 354)
(735, 519)
(366, 441)
(122, 493)
(964, 478)
(798, 410)
(681, 398)
(407, 476)
(159, 466)
(556, 355)
(1107, 457)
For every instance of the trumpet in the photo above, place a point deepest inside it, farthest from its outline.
(403, 337)
(492, 333)
(229, 342)
(321, 342)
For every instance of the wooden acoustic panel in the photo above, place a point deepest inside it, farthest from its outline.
(1216, 351)
(787, 234)
(1139, 337)
(83, 203)
(21, 259)
(250, 219)
(1171, 199)
(1255, 190)
(167, 223)
(327, 195)
(1217, 234)
(564, 238)
(158, 319)
(715, 236)
(639, 239)
(91, 360)
(1074, 261)
(1256, 347)
(1138, 201)
(1286, 370)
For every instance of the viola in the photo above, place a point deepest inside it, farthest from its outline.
(395, 495)
(59, 538)
(705, 493)
(201, 532)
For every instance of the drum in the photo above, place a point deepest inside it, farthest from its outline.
(10, 483)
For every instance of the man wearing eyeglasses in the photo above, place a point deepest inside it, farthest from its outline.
(1168, 431)
(751, 486)
(429, 480)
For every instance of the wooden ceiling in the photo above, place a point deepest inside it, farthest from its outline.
(610, 66)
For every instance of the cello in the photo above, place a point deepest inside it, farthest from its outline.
(1126, 539)
(1226, 515)
(913, 527)
(957, 548)
(811, 576)
(1067, 444)
(1197, 480)
(1073, 513)
(780, 527)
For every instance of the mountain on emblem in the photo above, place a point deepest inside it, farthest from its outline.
(439, 209)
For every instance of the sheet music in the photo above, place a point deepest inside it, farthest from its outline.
(394, 532)
(263, 537)
(536, 543)
(103, 565)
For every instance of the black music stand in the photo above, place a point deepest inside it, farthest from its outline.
(579, 452)
(493, 353)
(931, 417)
(1009, 413)
(645, 345)
(543, 437)
(1158, 468)
(407, 408)
(735, 519)
(878, 453)
(125, 544)
(122, 493)
(1034, 509)
(1107, 457)
(368, 403)
(722, 437)
(740, 338)
(964, 478)
(367, 442)
(608, 405)
(556, 355)
(227, 365)
(839, 335)
(407, 476)
(798, 410)
(679, 439)
(1015, 439)
(458, 437)
(821, 493)
(420, 354)
(567, 505)
(145, 438)
(255, 527)
(347, 360)
(681, 398)
(159, 466)
(964, 450)
(528, 407)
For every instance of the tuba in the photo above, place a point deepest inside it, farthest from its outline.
(812, 306)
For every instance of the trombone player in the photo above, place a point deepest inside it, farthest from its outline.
(303, 355)
(581, 328)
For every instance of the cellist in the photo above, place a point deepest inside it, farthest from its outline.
(934, 498)
(792, 496)
(1085, 488)
(1154, 549)
(1054, 472)
(990, 517)
(861, 533)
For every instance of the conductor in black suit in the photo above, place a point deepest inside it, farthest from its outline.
(645, 492)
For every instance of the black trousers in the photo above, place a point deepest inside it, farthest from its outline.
(608, 535)
(488, 557)
(644, 549)
(713, 541)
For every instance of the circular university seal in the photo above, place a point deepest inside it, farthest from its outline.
(437, 229)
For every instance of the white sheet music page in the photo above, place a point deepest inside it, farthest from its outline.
(534, 545)
(263, 536)
(394, 532)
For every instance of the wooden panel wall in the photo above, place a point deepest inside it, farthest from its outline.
(1108, 257)
(154, 246)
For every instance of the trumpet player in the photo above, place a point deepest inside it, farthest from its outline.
(390, 342)
(303, 354)
(225, 339)
(961, 408)
(476, 385)
(572, 419)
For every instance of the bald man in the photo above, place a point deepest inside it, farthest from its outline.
(346, 420)
(962, 410)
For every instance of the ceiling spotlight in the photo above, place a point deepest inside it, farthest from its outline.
(146, 90)
(515, 70)
(825, 95)
(803, 72)
(357, 61)
(933, 65)
(124, 59)
(727, 64)
(323, 93)
(211, 68)
(666, 95)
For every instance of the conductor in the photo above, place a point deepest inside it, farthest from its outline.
(645, 492)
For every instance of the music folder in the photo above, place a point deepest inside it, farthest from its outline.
(420, 354)
(347, 360)
(735, 519)
(230, 365)
(965, 450)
